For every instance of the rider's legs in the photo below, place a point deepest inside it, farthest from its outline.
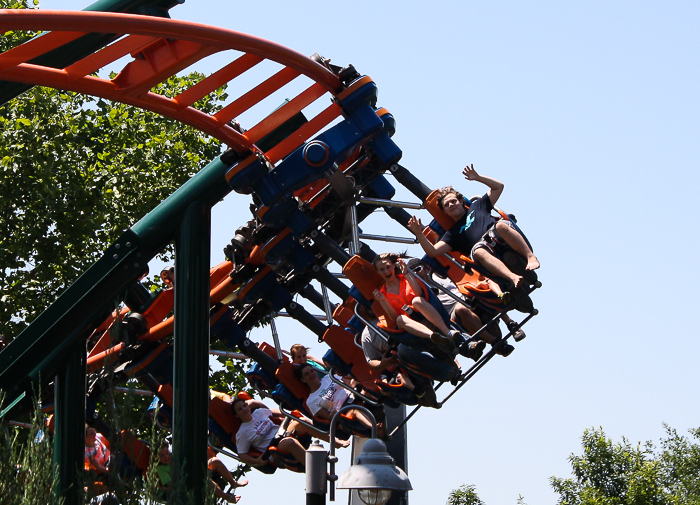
(413, 327)
(516, 241)
(430, 313)
(495, 266)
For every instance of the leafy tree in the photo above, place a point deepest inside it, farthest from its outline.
(464, 495)
(680, 461)
(12, 39)
(75, 172)
(610, 473)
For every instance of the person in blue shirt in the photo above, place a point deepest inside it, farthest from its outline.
(476, 231)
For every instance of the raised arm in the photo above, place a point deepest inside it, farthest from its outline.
(256, 404)
(411, 278)
(495, 187)
(433, 250)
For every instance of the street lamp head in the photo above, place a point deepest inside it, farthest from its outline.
(374, 496)
(374, 474)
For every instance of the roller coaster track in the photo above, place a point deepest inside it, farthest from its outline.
(262, 157)
(307, 175)
(156, 49)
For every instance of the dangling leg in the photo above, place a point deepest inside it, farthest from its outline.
(292, 445)
(496, 266)
(517, 242)
(216, 465)
(423, 306)
(471, 322)
(413, 327)
(302, 430)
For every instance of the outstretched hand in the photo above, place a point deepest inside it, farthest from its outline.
(402, 265)
(469, 173)
(415, 226)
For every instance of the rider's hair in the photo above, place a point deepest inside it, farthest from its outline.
(448, 190)
(296, 348)
(392, 257)
(298, 369)
(233, 405)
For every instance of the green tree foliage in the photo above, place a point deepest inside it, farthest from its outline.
(464, 495)
(620, 473)
(75, 172)
(680, 461)
(12, 39)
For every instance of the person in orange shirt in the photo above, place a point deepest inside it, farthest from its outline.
(402, 299)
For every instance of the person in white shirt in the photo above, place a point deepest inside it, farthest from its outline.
(258, 432)
(327, 397)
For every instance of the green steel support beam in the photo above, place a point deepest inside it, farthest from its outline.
(69, 438)
(41, 349)
(160, 226)
(191, 359)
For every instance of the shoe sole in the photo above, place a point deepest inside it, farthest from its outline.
(477, 351)
(505, 350)
(443, 343)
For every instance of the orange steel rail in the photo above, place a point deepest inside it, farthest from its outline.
(158, 48)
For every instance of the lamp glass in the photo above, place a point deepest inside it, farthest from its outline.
(374, 496)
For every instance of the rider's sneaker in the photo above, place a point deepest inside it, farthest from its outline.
(505, 350)
(455, 376)
(427, 398)
(519, 334)
(443, 342)
(476, 349)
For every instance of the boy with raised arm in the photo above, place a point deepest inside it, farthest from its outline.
(476, 231)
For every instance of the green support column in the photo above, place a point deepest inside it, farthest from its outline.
(69, 440)
(191, 360)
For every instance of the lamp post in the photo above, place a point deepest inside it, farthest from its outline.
(374, 473)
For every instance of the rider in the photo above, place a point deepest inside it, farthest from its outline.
(474, 231)
(300, 354)
(464, 314)
(326, 397)
(258, 432)
(401, 299)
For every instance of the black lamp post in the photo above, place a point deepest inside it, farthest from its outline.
(374, 474)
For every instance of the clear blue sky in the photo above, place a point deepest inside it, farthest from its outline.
(588, 112)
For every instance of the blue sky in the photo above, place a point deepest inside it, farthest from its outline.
(588, 112)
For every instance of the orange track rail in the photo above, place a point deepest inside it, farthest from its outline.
(159, 48)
